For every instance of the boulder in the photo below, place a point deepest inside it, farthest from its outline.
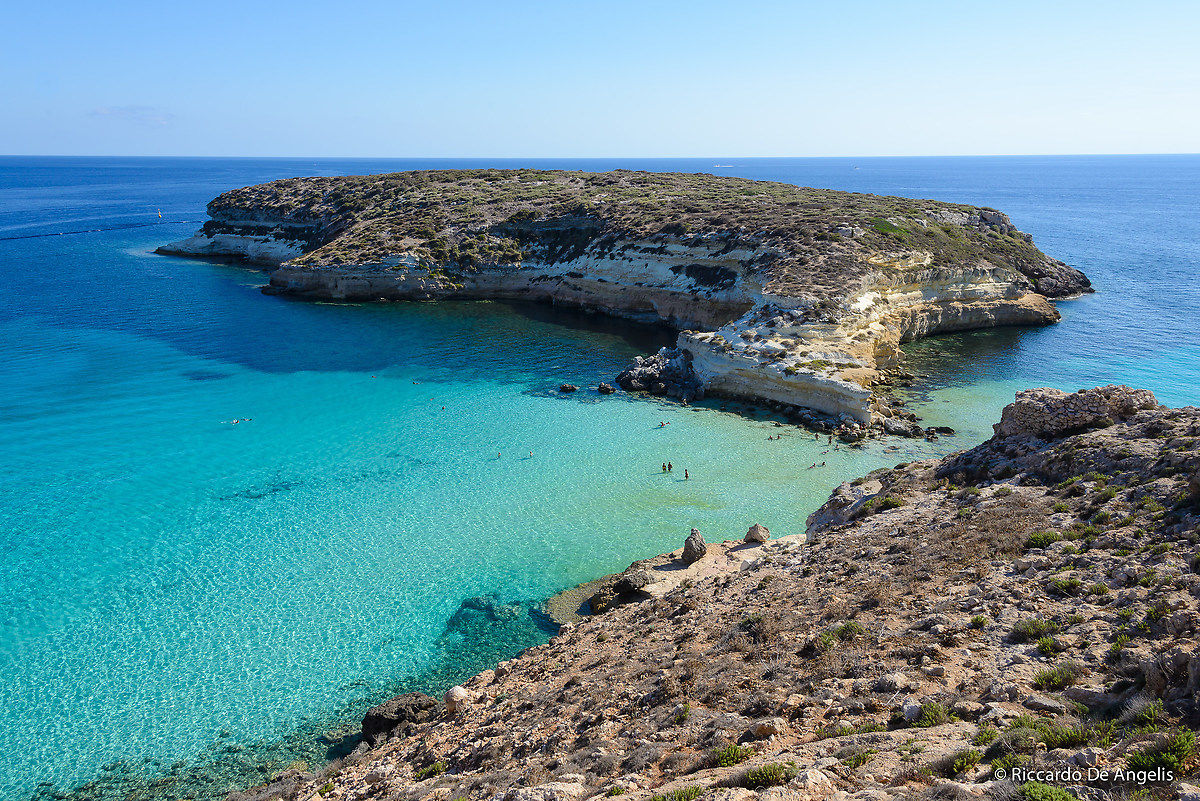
(567, 387)
(456, 699)
(606, 389)
(895, 682)
(401, 713)
(767, 727)
(668, 372)
(694, 547)
(902, 428)
(758, 533)
(1041, 703)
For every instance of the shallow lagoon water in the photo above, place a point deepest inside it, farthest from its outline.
(182, 596)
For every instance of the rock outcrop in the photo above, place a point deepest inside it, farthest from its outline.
(694, 547)
(398, 716)
(1049, 413)
(785, 294)
(1031, 603)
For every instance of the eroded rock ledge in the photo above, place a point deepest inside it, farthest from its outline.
(781, 293)
(1031, 602)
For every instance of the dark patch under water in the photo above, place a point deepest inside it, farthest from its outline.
(483, 631)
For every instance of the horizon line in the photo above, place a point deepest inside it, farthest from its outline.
(591, 158)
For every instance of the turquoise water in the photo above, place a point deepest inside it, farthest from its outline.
(187, 605)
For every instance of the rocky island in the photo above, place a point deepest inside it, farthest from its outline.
(944, 630)
(783, 294)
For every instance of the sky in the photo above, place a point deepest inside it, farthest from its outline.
(516, 78)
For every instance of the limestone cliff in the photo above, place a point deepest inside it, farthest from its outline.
(781, 292)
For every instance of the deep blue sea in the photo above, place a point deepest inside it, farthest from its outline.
(189, 605)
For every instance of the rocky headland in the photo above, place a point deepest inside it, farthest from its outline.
(942, 629)
(794, 296)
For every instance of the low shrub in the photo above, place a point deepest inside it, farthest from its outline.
(1056, 735)
(957, 763)
(682, 794)
(1037, 791)
(429, 771)
(1066, 586)
(1042, 539)
(772, 774)
(858, 758)
(1061, 675)
(986, 735)
(1033, 629)
(932, 714)
(848, 631)
(1170, 752)
(730, 755)
(1048, 646)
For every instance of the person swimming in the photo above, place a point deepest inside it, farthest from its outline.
(670, 467)
(685, 474)
(664, 467)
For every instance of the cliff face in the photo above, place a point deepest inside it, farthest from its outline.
(782, 292)
(1028, 604)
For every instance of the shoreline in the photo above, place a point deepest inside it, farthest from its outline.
(667, 571)
(683, 664)
(347, 727)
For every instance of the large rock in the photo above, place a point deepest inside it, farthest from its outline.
(758, 533)
(668, 372)
(694, 547)
(626, 586)
(400, 714)
(456, 699)
(1048, 413)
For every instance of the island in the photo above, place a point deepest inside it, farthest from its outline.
(789, 295)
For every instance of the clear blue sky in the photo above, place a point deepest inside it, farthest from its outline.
(617, 78)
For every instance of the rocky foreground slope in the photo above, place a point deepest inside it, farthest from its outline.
(1027, 605)
(782, 293)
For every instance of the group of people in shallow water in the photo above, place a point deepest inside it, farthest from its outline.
(667, 466)
(670, 468)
